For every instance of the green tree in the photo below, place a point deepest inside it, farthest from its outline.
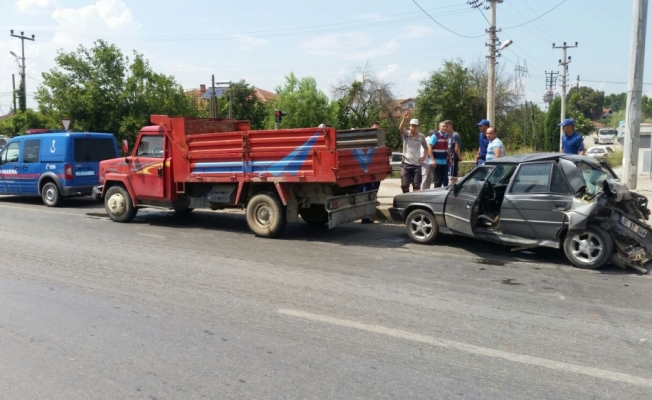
(22, 103)
(102, 91)
(363, 99)
(449, 93)
(615, 101)
(18, 123)
(587, 101)
(551, 132)
(306, 105)
(244, 105)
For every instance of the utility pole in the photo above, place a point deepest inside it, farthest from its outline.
(491, 57)
(22, 38)
(634, 92)
(213, 100)
(13, 93)
(564, 83)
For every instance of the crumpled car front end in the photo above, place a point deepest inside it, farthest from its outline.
(623, 214)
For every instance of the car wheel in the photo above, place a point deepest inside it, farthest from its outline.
(590, 248)
(266, 215)
(315, 215)
(421, 226)
(51, 195)
(118, 205)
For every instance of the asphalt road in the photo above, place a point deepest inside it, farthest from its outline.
(196, 307)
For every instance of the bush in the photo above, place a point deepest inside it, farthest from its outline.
(615, 159)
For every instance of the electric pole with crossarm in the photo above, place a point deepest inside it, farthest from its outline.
(22, 38)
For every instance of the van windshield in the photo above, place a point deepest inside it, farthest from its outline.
(94, 149)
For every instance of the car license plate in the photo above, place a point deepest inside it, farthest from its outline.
(84, 173)
(642, 232)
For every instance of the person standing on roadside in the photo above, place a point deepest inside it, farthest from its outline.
(413, 142)
(572, 142)
(427, 170)
(495, 149)
(484, 142)
(439, 145)
(455, 148)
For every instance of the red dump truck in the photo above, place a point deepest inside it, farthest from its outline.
(323, 175)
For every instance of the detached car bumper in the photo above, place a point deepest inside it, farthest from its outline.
(396, 214)
(96, 194)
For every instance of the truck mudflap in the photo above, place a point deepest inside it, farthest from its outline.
(351, 207)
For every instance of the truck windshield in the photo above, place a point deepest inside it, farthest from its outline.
(608, 133)
(94, 149)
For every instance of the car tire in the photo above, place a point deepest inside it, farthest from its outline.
(118, 204)
(51, 195)
(315, 215)
(266, 215)
(590, 248)
(421, 226)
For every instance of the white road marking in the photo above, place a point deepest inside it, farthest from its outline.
(151, 235)
(475, 350)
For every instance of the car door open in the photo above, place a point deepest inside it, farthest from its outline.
(461, 208)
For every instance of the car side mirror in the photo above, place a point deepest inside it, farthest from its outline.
(127, 160)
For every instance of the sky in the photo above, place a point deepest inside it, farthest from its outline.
(262, 41)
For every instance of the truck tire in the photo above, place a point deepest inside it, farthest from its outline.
(266, 215)
(421, 226)
(118, 205)
(589, 249)
(315, 215)
(51, 195)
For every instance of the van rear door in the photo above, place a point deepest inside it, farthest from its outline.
(88, 152)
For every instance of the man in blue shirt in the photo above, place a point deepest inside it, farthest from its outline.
(484, 142)
(572, 142)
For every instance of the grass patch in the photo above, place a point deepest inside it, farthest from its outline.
(615, 159)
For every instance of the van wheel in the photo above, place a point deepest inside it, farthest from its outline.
(266, 215)
(421, 226)
(118, 205)
(315, 215)
(588, 249)
(51, 195)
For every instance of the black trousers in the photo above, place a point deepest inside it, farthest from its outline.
(440, 172)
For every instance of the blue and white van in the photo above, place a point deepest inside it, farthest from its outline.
(54, 165)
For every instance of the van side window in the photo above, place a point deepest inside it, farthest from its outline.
(150, 146)
(31, 151)
(10, 153)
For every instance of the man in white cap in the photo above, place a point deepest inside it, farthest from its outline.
(413, 142)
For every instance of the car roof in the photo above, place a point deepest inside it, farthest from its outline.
(63, 134)
(534, 157)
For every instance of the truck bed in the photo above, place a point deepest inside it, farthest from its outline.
(228, 151)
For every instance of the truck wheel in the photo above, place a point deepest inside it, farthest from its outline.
(118, 205)
(315, 215)
(590, 248)
(266, 215)
(421, 226)
(51, 195)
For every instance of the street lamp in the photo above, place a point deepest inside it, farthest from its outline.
(17, 58)
(505, 44)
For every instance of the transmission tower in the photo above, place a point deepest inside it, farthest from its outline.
(551, 83)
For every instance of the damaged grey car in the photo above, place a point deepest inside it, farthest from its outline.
(569, 202)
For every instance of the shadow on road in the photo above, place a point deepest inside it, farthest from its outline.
(355, 234)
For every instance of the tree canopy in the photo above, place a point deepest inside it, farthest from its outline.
(306, 105)
(104, 91)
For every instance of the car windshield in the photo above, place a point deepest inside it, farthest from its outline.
(594, 178)
(596, 150)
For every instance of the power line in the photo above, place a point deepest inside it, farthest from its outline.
(435, 21)
(525, 23)
(534, 12)
(615, 83)
(533, 25)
